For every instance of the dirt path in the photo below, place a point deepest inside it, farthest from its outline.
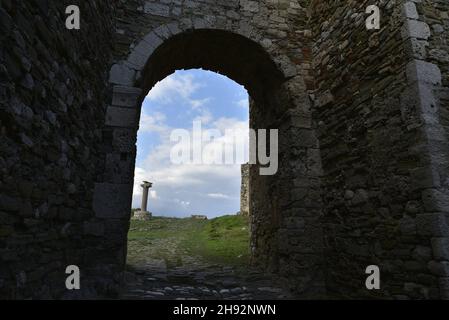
(162, 269)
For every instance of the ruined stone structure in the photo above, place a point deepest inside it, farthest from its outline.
(143, 213)
(244, 190)
(363, 117)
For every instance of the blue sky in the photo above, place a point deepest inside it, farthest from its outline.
(175, 103)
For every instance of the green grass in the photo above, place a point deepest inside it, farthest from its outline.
(159, 228)
(223, 240)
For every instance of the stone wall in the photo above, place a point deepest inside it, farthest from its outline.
(263, 45)
(376, 144)
(244, 190)
(434, 89)
(362, 118)
(52, 102)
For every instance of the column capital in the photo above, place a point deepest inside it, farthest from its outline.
(146, 185)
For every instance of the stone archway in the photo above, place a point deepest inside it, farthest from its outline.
(380, 106)
(286, 232)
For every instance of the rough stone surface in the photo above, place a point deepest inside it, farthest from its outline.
(142, 215)
(376, 140)
(363, 119)
(244, 190)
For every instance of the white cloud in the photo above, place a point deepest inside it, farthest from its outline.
(182, 190)
(152, 123)
(153, 194)
(198, 103)
(218, 196)
(176, 85)
(225, 123)
(243, 103)
(205, 116)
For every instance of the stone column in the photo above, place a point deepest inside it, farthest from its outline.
(146, 187)
(143, 214)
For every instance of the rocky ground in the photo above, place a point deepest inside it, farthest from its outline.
(163, 268)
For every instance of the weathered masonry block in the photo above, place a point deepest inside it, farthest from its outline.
(363, 120)
(244, 190)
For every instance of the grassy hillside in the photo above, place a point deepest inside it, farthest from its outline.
(223, 240)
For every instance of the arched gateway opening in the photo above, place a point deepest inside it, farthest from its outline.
(284, 208)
